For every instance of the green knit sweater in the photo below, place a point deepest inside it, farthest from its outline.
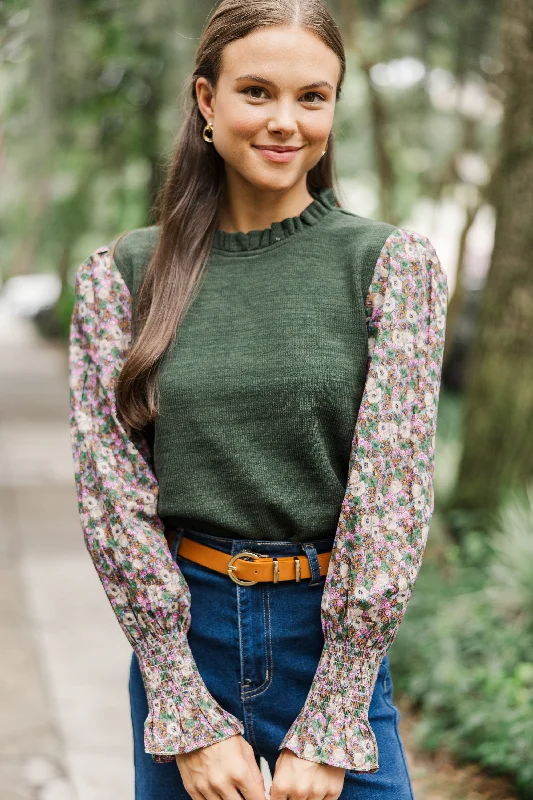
(261, 389)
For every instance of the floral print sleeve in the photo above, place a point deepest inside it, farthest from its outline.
(117, 499)
(384, 521)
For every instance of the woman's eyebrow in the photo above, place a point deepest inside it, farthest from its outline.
(315, 85)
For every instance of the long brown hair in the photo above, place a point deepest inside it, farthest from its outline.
(189, 202)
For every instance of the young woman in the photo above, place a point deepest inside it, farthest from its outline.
(254, 392)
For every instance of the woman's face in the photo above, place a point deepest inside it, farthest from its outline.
(277, 87)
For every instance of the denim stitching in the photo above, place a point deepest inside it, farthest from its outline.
(190, 561)
(314, 564)
(270, 666)
(248, 714)
(224, 539)
(386, 688)
(265, 685)
(252, 724)
(402, 752)
(273, 542)
(240, 642)
(396, 730)
(251, 542)
(252, 692)
(175, 545)
(248, 719)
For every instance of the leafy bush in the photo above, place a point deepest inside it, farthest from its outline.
(464, 653)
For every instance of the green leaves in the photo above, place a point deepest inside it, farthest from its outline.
(464, 653)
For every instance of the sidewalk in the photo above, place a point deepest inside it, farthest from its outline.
(65, 731)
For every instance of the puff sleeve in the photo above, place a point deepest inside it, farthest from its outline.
(388, 504)
(117, 499)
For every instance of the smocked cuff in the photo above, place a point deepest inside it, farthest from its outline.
(183, 715)
(333, 727)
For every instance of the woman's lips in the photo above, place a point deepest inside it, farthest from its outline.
(275, 155)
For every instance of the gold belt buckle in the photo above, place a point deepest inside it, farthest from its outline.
(232, 568)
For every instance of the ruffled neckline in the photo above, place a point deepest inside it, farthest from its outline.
(238, 241)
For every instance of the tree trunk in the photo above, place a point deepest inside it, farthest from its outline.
(456, 300)
(498, 451)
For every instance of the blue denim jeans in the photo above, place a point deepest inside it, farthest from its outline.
(257, 649)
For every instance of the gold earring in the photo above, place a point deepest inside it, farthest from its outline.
(325, 151)
(208, 129)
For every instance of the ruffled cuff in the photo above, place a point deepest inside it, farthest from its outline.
(332, 727)
(183, 715)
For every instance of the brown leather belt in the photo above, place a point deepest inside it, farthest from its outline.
(247, 568)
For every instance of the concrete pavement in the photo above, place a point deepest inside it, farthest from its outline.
(65, 731)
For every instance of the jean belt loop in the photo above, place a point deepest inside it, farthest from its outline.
(312, 556)
(176, 543)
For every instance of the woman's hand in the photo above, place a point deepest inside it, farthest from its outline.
(305, 780)
(217, 771)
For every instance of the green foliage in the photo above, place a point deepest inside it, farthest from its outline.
(90, 93)
(63, 311)
(464, 655)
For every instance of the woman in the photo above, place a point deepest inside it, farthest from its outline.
(275, 361)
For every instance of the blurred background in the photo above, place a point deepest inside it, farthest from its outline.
(434, 133)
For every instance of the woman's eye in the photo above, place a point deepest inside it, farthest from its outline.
(253, 89)
(314, 94)
(260, 89)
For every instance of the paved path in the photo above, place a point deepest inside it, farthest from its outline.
(65, 730)
(62, 736)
